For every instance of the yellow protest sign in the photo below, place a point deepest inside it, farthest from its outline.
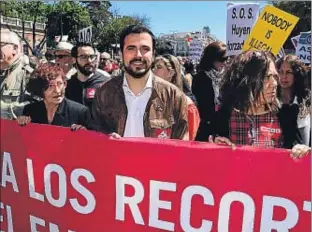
(271, 30)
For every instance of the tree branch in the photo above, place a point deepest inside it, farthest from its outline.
(21, 37)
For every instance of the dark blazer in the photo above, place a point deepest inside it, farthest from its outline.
(83, 92)
(68, 113)
(204, 93)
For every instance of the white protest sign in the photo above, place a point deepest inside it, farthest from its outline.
(240, 19)
(85, 34)
(295, 40)
(57, 38)
(303, 50)
(196, 49)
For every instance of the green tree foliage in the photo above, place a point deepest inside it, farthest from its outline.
(110, 33)
(67, 18)
(24, 10)
(301, 9)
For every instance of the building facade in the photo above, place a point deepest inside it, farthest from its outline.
(180, 40)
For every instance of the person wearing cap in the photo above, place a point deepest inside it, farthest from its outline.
(14, 76)
(64, 59)
(105, 62)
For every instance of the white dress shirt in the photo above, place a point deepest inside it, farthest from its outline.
(136, 105)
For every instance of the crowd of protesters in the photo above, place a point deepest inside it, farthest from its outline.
(252, 99)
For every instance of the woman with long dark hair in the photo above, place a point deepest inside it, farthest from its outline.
(205, 86)
(250, 112)
(296, 92)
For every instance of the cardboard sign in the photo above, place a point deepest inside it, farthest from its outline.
(85, 35)
(63, 181)
(271, 30)
(303, 49)
(196, 49)
(295, 41)
(240, 19)
(58, 38)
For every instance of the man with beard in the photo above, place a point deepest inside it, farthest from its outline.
(138, 103)
(15, 72)
(82, 85)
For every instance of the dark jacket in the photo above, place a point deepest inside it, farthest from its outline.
(83, 92)
(68, 113)
(166, 110)
(287, 116)
(204, 93)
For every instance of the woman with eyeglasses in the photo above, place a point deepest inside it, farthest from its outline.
(205, 86)
(169, 68)
(296, 92)
(48, 82)
(250, 112)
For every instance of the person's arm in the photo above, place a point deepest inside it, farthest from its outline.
(85, 118)
(180, 128)
(203, 91)
(98, 120)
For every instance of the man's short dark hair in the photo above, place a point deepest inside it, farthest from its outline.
(135, 29)
(74, 51)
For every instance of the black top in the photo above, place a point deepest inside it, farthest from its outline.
(68, 113)
(83, 92)
(203, 90)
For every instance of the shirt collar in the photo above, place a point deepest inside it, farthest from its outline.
(149, 83)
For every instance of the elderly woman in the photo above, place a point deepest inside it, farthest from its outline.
(48, 82)
(250, 112)
(296, 92)
(169, 68)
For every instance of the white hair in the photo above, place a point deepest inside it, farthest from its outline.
(12, 37)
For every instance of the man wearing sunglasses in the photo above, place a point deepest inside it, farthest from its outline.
(14, 76)
(82, 85)
(64, 59)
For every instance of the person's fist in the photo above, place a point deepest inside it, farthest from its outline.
(23, 120)
(299, 151)
(76, 127)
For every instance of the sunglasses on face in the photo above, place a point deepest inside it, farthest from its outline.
(62, 56)
(223, 59)
(87, 57)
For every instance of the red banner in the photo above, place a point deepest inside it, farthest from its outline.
(53, 179)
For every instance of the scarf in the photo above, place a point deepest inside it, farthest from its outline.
(214, 75)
